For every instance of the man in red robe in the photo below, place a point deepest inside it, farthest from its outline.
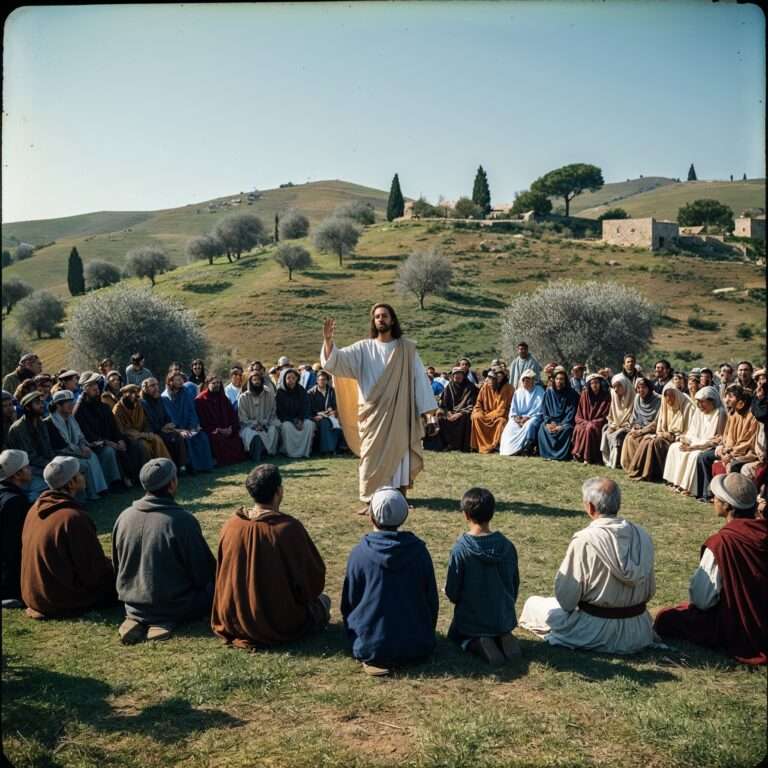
(219, 421)
(729, 589)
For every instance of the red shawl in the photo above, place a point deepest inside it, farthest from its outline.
(215, 411)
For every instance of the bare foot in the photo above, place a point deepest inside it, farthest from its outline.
(364, 511)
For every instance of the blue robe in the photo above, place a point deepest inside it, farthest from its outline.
(516, 439)
(559, 407)
(181, 411)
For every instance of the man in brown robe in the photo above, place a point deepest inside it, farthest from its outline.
(64, 571)
(491, 411)
(456, 402)
(269, 574)
(133, 423)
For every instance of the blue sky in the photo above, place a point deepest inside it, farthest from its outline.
(144, 107)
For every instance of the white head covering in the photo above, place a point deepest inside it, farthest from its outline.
(389, 507)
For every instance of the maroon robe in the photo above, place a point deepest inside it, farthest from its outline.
(591, 417)
(738, 624)
(215, 411)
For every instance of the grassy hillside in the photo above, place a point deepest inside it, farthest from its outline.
(172, 228)
(251, 310)
(665, 201)
(612, 193)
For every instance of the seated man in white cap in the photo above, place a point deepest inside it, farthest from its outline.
(269, 575)
(164, 567)
(389, 599)
(67, 439)
(729, 590)
(15, 475)
(64, 571)
(603, 583)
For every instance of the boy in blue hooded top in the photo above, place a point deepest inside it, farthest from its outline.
(483, 582)
(389, 600)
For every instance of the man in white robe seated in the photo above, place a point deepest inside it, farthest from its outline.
(257, 413)
(603, 584)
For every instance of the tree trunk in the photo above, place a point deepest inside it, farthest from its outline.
(340, 255)
(421, 301)
(210, 261)
(290, 273)
(152, 280)
(39, 333)
(229, 257)
(567, 206)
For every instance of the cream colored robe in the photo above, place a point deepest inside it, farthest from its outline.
(609, 563)
(259, 411)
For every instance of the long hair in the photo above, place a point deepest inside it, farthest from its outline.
(397, 331)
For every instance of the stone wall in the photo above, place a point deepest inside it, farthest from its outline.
(744, 227)
(641, 233)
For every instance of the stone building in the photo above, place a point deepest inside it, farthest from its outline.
(643, 233)
(746, 227)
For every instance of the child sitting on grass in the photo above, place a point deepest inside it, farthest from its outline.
(483, 583)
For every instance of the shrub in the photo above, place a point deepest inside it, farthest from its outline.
(613, 213)
(700, 324)
(423, 273)
(24, 251)
(294, 225)
(40, 313)
(466, 209)
(100, 274)
(137, 320)
(358, 211)
(11, 352)
(592, 322)
(537, 202)
(147, 261)
(745, 332)
(292, 257)
(14, 290)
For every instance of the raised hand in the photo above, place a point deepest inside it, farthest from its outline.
(329, 327)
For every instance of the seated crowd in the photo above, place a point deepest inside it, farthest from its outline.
(265, 586)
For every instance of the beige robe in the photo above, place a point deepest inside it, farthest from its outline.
(259, 411)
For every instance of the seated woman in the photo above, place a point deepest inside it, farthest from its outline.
(454, 415)
(674, 415)
(619, 420)
(645, 411)
(559, 415)
(706, 425)
(525, 415)
(322, 407)
(296, 427)
(591, 417)
(693, 384)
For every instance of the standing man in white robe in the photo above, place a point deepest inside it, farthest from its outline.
(383, 422)
(603, 584)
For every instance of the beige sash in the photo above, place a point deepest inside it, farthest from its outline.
(388, 423)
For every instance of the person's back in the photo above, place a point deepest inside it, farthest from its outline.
(15, 474)
(389, 599)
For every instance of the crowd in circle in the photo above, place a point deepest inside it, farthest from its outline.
(71, 438)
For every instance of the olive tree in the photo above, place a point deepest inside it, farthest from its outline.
(294, 225)
(357, 210)
(595, 323)
(11, 352)
(40, 313)
(240, 232)
(164, 330)
(292, 257)
(338, 236)
(423, 273)
(204, 247)
(14, 290)
(537, 202)
(24, 251)
(146, 261)
(100, 274)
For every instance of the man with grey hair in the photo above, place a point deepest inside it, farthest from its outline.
(603, 583)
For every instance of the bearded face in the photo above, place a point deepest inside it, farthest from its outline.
(256, 384)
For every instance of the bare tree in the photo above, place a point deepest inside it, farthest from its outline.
(100, 274)
(204, 247)
(293, 257)
(594, 323)
(338, 236)
(40, 313)
(147, 261)
(357, 210)
(293, 225)
(24, 251)
(239, 233)
(423, 273)
(14, 290)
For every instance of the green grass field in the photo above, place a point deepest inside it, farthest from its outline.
(73, 696)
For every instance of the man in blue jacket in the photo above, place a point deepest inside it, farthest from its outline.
(389, 601)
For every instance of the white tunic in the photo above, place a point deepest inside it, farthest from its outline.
(365, 361)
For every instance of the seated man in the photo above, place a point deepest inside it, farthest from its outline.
(29, 366)
(482, 583)
(219, 421)
(603, 584)
(297, 430)
(322, 409)
(15, 475)
(558, 411)
(389, 599)
(30, 434)
(269, 574)
(489, 416)
(519, 435)
(232, 390)
(159, 423)
(454, 415)
(257, 413)
(64, 571)
(179, 404)
(163, 565)
(136, 373)
(133, 423)
(67, 439)
(113, 385)
(729, 590)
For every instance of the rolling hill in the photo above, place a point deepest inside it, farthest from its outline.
(612, 193)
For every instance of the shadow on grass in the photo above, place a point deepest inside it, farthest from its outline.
(330, 275)
(41, 703)
(440, 504)
(216, 287)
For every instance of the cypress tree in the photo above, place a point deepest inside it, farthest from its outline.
(744, 177)
(395, 204)
(692, 173)
(277, 228)
(75, 278)
(481, 194)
